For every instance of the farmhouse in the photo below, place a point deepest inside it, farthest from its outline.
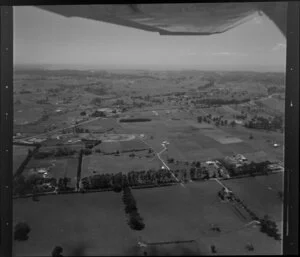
(238, 160)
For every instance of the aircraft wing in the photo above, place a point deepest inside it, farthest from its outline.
(176, 19)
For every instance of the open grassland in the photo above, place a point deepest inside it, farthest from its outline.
(110, 147)
(84, 225)
(274, 104)
(114, 164)
(101, 125)
(178, 213)
(95, 224)
(260, 194)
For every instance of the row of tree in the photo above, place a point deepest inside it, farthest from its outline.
(135, 221)
(133, 178)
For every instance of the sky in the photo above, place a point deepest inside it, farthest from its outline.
(44, 38)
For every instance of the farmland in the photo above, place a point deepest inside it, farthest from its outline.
(264, 199)
(113, 164)
(170, 214)
(180, 127)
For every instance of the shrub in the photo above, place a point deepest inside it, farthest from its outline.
(21, 231)
(269, 227)
(57, 251)
(250, 247)
(117, 188)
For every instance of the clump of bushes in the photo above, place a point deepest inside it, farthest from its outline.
(21, 232)
(269, 227)
(57, 251)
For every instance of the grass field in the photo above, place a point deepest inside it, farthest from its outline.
(114, 164)
(260, 194)
(84, 225)
(109, 147)
(275, 104)
(178, 213)
(95, 224)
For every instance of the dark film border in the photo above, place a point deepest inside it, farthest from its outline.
(291, 176)
(291, 156)
(6, 128)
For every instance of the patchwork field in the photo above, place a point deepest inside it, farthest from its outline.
(95, 223)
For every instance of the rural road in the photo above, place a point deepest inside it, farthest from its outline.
(162, 161)
(219, 182)
(167, 167)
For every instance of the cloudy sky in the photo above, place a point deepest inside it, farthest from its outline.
(42, 38)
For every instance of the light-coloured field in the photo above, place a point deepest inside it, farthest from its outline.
(114, 164)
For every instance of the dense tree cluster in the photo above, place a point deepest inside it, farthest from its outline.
(135, 120)
(98, 114)
(252, 168)
(218, 121)
(133, 178)
(258, 122)
(33, 184)
(269, 227)
(59, 152)
(21, 232)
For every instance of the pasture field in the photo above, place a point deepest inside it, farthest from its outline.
(260, 194)
(58, 168)
(194, 141)
(25, 116)
(274, 104)
(101, 125)
(95, 223)
(19, 155)
(110, 147)
(178, 213)
(83, 224)
(262, 141)
(114, 164)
